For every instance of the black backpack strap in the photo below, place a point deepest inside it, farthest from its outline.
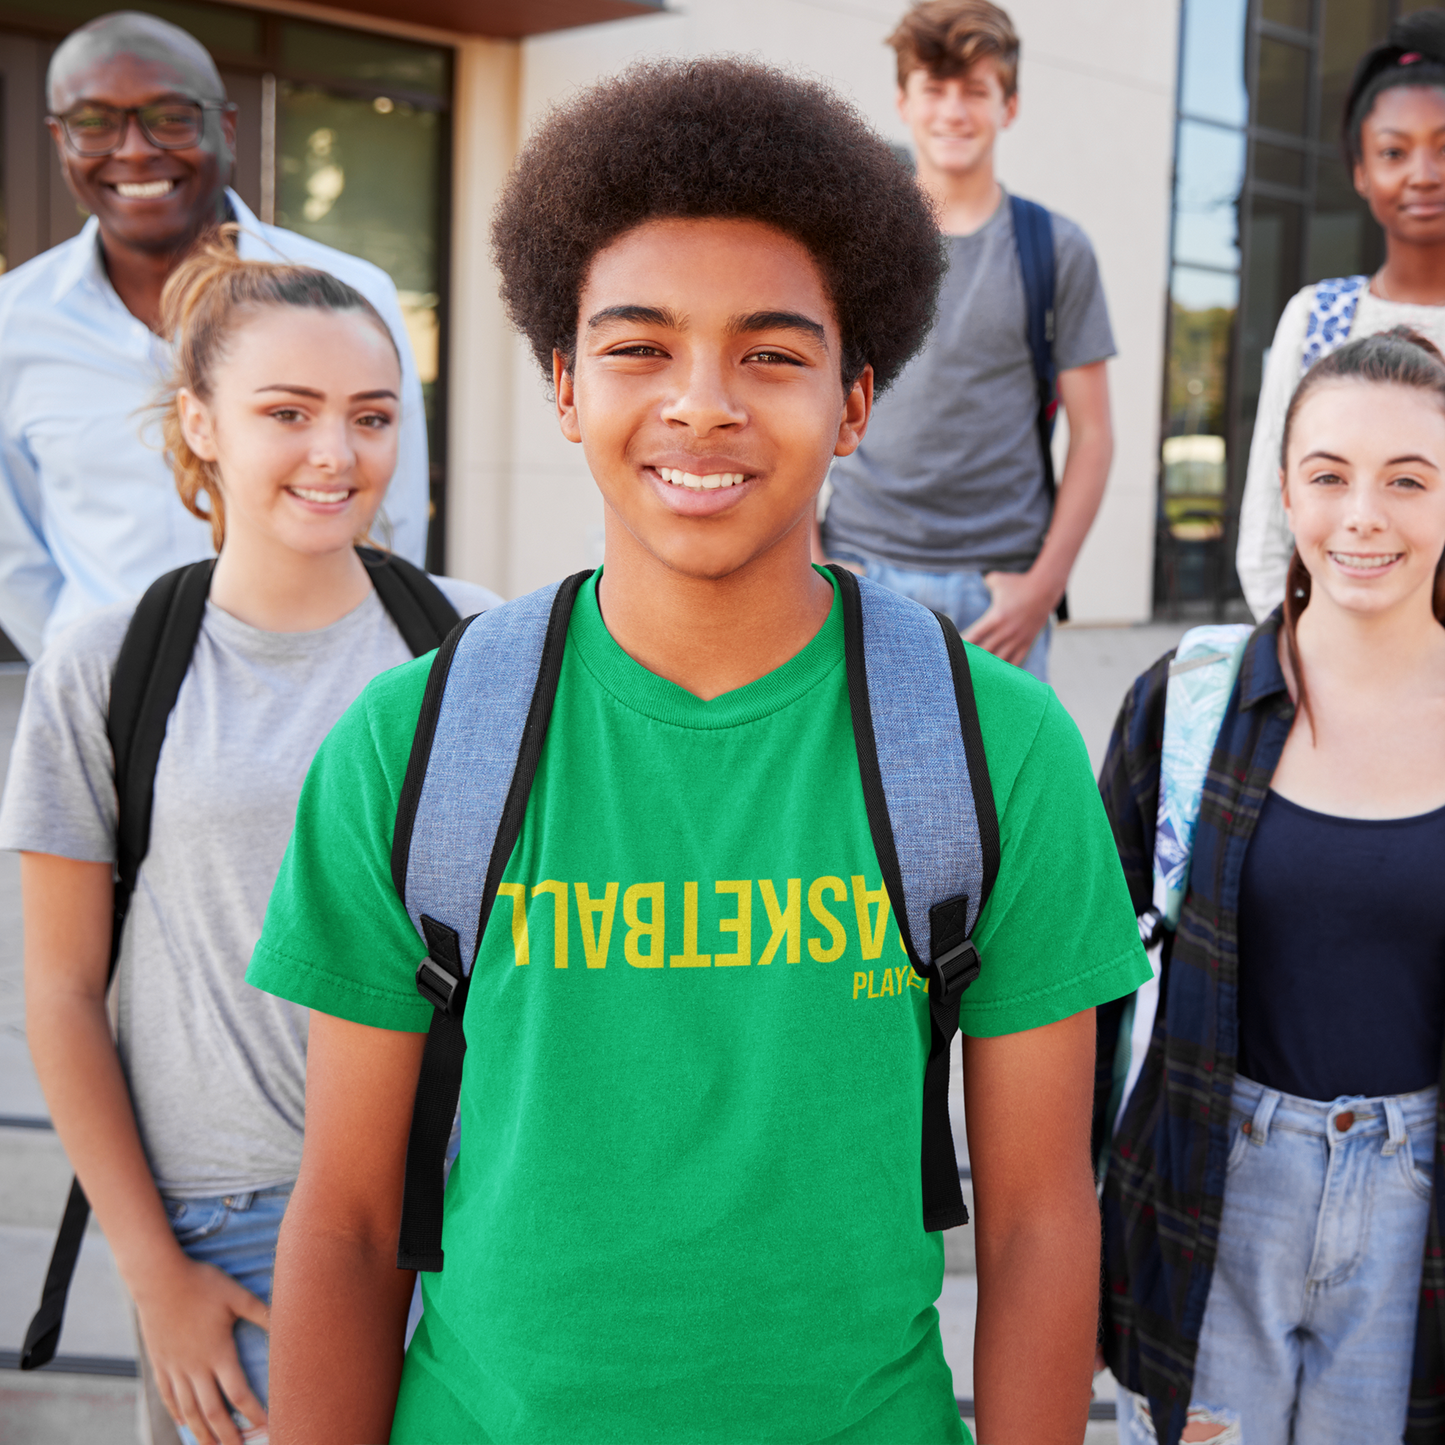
(953, 962)
(442, 976)
(420, 609)
(153, 661)
(1034, 241)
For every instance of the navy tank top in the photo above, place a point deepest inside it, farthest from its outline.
(1342, 953)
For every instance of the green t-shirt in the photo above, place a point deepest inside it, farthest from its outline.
(688, 1202)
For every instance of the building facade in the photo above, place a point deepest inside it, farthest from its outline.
(1263, 204)
(1195, 142)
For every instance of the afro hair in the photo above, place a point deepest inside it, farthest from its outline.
(728, 138)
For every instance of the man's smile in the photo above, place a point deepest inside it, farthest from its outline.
(142, 190)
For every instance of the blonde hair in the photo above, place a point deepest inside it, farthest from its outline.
(208, 296)
(947, 37)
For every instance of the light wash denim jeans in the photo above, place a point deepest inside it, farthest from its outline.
(1310, 1326)
(962, 596)
(236, 1233)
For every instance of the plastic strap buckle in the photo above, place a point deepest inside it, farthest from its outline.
(439, 988)
(955, 970)
(440, 979)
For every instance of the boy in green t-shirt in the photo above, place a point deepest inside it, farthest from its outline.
(687, 1202)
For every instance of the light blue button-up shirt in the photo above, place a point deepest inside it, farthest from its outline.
(89, 513)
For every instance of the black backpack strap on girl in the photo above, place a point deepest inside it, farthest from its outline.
(154, 659)
(148, 674)
(417, 606)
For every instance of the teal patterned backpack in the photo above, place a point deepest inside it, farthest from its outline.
(1202, 675)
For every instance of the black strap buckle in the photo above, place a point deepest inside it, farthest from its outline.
(439, 988)
(955, 970)
(440, 978)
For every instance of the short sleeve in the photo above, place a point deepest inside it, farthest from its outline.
(337, 938)
(1082, 334)
(60, 786)
(1058, 934)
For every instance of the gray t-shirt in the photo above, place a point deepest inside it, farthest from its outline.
(950, 475)
(216, 1068)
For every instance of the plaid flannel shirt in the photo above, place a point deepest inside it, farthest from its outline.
(1163, 1190)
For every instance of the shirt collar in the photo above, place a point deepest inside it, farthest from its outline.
(1260, 675)
(252, 244)
(83, 262)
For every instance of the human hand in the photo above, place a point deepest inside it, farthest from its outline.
(1018, 612)
(187, 1316)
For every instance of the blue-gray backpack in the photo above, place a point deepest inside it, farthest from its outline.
(153, 661)
(478, 740)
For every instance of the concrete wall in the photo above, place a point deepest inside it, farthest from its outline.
(1094, 140)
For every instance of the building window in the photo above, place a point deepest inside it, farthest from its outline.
(344, 136)
(1263, 205)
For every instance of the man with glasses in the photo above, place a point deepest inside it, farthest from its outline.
(88, 511)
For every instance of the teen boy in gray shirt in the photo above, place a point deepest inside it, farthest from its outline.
(946, 500)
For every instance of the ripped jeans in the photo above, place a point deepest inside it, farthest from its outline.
(1309, 1330)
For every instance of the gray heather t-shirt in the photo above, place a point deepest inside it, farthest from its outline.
(950, 474)
(217, 1069)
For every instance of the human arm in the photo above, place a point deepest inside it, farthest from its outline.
(187, 1310)
(339, 1302)
(30, 580)
(1022, 601)
(1265, 540)
(1036, 1222)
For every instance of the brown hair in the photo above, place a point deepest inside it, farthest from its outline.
(206, 298)
(1398, 357)
(947, 37)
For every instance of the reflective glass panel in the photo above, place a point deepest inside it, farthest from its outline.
(1283, 86)
(1209, 177)
(217, 27)
(1351, 27)
(1279, 165)
(365, 176)
(1202, 313)
(1194, 457)
(1273, 277)
(323, 53)
(1211, 81)
(1344, 239)
(1287, 12)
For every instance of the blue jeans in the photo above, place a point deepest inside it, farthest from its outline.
(236, 1233)
(1309, 1330)
(961, 596)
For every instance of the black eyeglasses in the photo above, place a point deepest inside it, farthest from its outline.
(93, 129)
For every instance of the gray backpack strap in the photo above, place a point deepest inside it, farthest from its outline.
(933, 822)
(478, 740)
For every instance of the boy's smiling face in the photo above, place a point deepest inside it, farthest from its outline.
(707, 392)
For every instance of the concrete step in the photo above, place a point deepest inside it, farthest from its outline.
(49, 1409)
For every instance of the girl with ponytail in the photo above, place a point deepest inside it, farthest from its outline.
(1393, 134)
(182, 1111)
(1272, 1202)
